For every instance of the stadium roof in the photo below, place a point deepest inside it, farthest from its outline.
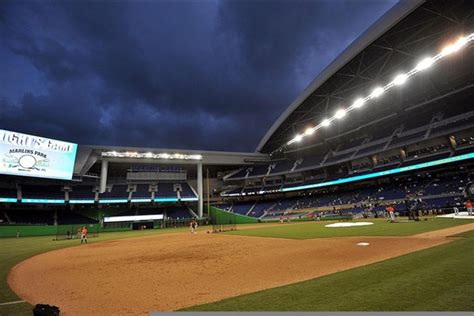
(88, 155)
(399, 39)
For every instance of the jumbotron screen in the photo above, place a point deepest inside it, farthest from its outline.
(34, 156)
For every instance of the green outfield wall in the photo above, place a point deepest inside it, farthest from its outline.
(52, 230)
(226, 217)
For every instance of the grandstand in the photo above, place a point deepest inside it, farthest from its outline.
(333, 137)
(439, 190)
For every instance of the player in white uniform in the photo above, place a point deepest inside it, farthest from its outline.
(456, 211)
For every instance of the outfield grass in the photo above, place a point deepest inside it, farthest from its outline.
(308, 230)
(13, 251)
(435, 279)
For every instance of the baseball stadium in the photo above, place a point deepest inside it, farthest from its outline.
(358, 198)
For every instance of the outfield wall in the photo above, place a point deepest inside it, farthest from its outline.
(227, 217)
(51, 230)
(61, 230)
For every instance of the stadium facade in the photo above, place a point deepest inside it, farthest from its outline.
(395, 102)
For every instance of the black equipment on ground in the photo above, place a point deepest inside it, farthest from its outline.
(45, 310)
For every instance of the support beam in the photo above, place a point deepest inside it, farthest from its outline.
(208, 192)
(199, 189)
(103, 176)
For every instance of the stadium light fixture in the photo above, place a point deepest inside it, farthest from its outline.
(309, 131)
(449, 50)
(358, 103)
(462, 41)
(150, 155)
(454, 47)
(340, 114)
(298, 138)
(377, 92)
(425, 64)
(398, 80)
(326, 123)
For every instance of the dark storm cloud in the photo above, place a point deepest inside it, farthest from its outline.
(207, 75)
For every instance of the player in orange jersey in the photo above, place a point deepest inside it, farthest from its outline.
(84, 235)
(391, 212)
(469, 207)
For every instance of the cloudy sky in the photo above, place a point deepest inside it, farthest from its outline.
(209, 75)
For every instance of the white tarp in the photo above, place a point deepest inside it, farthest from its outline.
(354, 224)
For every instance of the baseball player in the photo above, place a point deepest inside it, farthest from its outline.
(84, 235)
(456, 211)
(391, 211)
(193, 226)
(469, 207)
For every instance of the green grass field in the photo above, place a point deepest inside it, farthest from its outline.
(410, 274)
(308, 230)
(435, 279)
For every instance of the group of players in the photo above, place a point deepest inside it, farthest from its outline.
(413, 211)
(469, 208)
(193, 225)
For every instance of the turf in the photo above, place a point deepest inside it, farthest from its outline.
(308, 230)
(14, 250)
(435, 279)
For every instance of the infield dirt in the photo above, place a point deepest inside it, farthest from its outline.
(168, 272)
